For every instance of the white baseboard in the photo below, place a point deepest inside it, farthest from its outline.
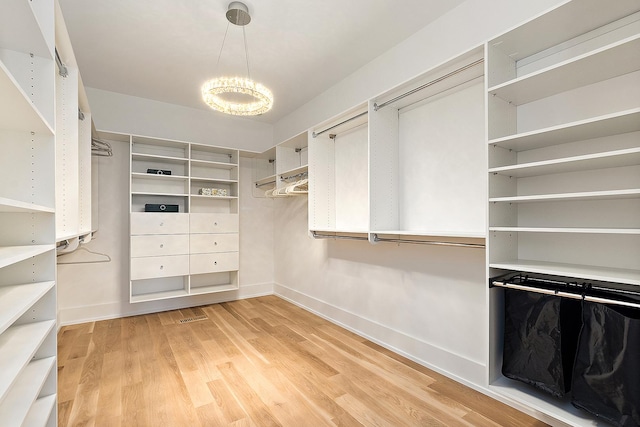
(92, 313)
(454, 366)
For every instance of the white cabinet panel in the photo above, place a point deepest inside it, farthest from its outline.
(214, 223)
(159, 223)
(163, 244)
(211, 263)
(207, 243)
(163, 266)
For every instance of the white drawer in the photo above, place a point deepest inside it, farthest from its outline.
(160, 266)
(159, 223)
(158, 245)
(213, 223)
(207, 243)
(211, 263)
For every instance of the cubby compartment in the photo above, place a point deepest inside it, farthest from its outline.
(158, 288)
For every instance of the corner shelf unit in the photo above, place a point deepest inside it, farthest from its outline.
(193, 251)
(280, 166)
(564, 183)
(27, 214)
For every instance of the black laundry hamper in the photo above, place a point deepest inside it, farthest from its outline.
(606, 373)
(540, 339)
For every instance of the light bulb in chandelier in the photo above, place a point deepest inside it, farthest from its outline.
(237, 95)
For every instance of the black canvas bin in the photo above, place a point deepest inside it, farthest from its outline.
(606, 376)
(540, 339)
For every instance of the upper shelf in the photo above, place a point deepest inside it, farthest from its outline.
(213, 164)
(159, 158)
(23, 30)
(596, 127)
(617, 158)
(601, 64)
(14, 254)
(633, 193)
(17, 112)
(11, 205)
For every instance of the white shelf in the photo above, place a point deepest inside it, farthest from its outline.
(200, 196)
(601, 64)
(211, 289)
(20, 30)
(18, 345)
(294, 171)
(630, 231)
(158, 158)
(606, 274)
(146, 193)
(140, 175)
(214, 180)
(14, 254)
(212, 164)
(456, 234)
(596, 127)
(609, 159)
(159, 295)
(17, 112)
(590, 195)
(16, 406)
(40, 411)
(16, 300)
(11, 205)
(271, 179)
(538, 401)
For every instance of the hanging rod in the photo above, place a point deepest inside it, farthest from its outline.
(377, 106)
(572, 290)
(317, 235)
(429, 242)
(298, 175)
(314, 134)
(265, 183)
(62, 69)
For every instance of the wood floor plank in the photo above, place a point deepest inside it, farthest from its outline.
(252, 363)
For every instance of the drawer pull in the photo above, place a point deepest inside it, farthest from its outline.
(215, 262)
(161, 245)
(161, 224)
(161, 267)
(215, 223)
(215, 243)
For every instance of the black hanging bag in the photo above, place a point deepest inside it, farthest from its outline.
(606, 373)
(540, 339)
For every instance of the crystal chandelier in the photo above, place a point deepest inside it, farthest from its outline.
(228, 94)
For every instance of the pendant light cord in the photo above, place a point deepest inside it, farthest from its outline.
(222, 47)
(246, 51)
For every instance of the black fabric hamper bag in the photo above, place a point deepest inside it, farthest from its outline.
(540, 339)
(606, 375)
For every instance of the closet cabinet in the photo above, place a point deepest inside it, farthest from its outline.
(282, 165)
(187, 244)
(563, 100)
(27, 214)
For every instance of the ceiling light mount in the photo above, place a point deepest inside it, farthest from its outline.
(222, 93)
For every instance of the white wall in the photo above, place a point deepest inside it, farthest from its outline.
(115, 112)
(101, 290)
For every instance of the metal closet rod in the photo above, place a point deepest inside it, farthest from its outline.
(266, 183)
(566, 294)
(377, 106)
(314, 134)
(297, 175)
(415, 242)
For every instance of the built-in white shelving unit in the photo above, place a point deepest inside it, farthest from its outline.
(27, 214)
(195, 250)
(281, 166)
(563, 114)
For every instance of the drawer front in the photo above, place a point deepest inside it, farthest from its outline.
(213, 223)
(161, 266)
(212, 263)
(159, 223)
(162, 244)
(207, 243)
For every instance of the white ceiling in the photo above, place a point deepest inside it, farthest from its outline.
(165, 49)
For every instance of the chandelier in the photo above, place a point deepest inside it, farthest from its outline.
(238, 96)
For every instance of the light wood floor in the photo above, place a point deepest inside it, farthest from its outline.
(256, 362)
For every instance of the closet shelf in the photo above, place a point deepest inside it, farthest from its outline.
(200, 196)
(294, 171)
(21, 31)
(609, 159)
(606, 274)
(595, 127)
(17, 112)
(209, 163)
(633, 193)
(139, 175)
(271, 179)
(40, 411)
(15, 300)
(14, 254)
(159, 158)
(18, 345)
(158, 295)
(213, 288)
(470, 234)
(601, 64)
(214, 180)
(630, 231)
(11, 205)
(145, 193)
(17, 404)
